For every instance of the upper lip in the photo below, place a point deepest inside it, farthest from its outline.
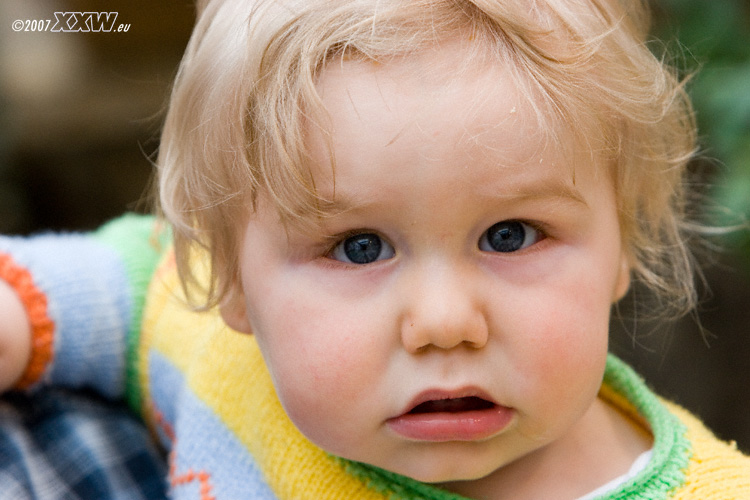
(446, 394)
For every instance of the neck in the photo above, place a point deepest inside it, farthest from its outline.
(602, 446)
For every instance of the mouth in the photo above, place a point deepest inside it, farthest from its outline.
(438, 416)
(452, 405)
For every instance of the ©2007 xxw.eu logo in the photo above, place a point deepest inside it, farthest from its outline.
(73, 22)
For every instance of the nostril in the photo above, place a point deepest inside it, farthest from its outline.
(444, 328)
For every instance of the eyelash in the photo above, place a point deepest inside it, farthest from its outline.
(333, 241)
(539, 234)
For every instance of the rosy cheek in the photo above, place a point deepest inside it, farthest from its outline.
(563, 346)
(317, 361)
(321, 398)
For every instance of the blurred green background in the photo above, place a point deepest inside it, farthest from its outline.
(704, 362)
(713, 38)
(79, 122)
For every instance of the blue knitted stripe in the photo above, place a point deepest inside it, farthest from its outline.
(140, 245)
(88, 299)
(229, 470)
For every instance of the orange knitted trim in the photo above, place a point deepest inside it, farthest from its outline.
(177, 479)
(42, 327)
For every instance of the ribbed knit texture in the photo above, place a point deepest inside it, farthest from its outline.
(624, 390)
(140, 242)
(84, 295)
(42, 327)
(209, 398)
(225, 370)
(88, 300)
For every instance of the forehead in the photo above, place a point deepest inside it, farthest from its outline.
(394, 122)
(418, 88)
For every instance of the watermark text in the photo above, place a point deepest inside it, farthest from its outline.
(74, 22)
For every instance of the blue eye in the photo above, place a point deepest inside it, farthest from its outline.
(363, 248)
(508, 236)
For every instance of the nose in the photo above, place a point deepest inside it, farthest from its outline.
(443, 309)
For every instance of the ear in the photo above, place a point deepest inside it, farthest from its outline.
(234, 312)
(623, 278)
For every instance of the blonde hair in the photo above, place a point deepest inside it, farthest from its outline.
(247, 83)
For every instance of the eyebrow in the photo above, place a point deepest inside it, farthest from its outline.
(337, 205)
(535, 190)
(549, 189)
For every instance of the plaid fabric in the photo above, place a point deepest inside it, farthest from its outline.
(62, 445)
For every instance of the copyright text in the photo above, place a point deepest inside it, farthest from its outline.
(73, 22)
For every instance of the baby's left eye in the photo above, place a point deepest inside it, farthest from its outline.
(509, 236)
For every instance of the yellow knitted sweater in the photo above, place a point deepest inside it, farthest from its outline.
(226, 372)
(105, 315)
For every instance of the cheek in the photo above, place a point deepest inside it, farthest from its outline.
(321, 358)
(569, 344)
(562, 358)
(575, 327)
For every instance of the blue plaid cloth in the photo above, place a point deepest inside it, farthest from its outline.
(62, 445)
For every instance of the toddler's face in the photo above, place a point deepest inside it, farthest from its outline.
(451, 315)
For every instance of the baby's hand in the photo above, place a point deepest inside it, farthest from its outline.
(15, 337)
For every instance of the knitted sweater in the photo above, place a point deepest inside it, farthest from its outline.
(107, 312)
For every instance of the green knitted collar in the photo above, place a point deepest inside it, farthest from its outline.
(664, 473)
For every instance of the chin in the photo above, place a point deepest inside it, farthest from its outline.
(440, 474)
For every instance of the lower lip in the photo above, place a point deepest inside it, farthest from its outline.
(473, 425)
